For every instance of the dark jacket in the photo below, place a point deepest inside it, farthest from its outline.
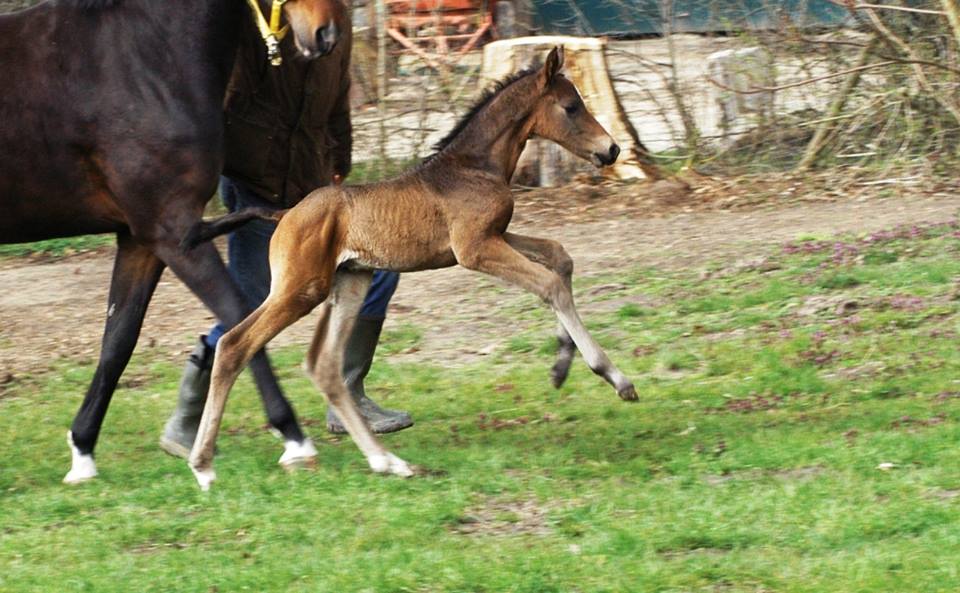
(288, 127)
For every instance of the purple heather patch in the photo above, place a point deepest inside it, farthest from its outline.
(848, 250)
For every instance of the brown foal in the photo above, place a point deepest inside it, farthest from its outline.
(452, 209)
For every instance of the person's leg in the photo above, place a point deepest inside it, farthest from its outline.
(358, 358)
(248, 264)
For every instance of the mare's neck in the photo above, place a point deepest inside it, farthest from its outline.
(218, 24)
(192, 44)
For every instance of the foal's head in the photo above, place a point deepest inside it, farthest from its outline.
(316, 24)
(561, 116)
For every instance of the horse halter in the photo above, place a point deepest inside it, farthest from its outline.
(271, 32)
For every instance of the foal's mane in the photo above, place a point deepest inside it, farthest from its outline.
(488, 96)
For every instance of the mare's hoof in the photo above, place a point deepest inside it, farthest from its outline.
(82, 467)
(298, 455)
(80, 475)
(628, 394)
(299, 464)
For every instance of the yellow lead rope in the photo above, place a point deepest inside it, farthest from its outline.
(271, 32)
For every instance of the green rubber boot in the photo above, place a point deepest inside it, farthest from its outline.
(356, 364)
(181, 429)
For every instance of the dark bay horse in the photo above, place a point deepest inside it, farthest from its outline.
(111, 122)
(453, 209)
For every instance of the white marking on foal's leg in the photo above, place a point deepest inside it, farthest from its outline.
(298, 454)
(82, 467)
(205, 477)
(595, 357)
(388, 463)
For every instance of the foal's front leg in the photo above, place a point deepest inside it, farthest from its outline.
(494, 256)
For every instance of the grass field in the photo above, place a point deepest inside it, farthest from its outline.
(57, 247)
(797, 432)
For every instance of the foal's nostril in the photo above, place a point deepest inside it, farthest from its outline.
(608, 158)
(327, 37)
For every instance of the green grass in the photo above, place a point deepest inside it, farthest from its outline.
(83, 243)
(750, 463)
(57, 247)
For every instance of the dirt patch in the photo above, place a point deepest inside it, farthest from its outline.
(693, 552)
(946, 494)
(755, 402)
(495, 517)
(796, 474)
(837, 304)
(910, 423)
(857, 372)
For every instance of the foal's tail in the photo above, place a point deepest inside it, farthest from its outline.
(208, 229)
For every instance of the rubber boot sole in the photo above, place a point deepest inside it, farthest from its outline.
(394, 427)
(172, 447)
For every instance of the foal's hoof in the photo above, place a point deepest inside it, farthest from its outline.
(559, 372)
(628, 394)
(390, 464)
(298, 455)
(205, 477)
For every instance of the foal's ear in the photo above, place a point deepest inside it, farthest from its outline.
(553, 65)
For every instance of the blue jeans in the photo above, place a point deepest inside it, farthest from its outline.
(249, 266)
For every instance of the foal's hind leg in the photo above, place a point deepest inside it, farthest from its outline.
(202, 270)
(555, 258)
(494, 256)
(325, 365)
(234, 351)
(135, 274)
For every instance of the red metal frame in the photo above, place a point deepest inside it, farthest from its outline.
(451, 27)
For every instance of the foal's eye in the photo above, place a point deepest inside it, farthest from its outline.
(572, 109)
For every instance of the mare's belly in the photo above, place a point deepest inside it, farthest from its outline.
(44, 204)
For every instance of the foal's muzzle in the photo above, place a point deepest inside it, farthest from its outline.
(608, 158)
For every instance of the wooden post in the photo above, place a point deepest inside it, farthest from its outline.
(381, 25)
(953, 16)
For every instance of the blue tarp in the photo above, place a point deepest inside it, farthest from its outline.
(645, 17)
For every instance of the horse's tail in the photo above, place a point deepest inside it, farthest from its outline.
(206, 230)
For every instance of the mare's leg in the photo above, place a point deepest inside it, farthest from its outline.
(555, 258)
(234, 350)
(325, 364)
(136, 271)
(202, 270)
(492, 255)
